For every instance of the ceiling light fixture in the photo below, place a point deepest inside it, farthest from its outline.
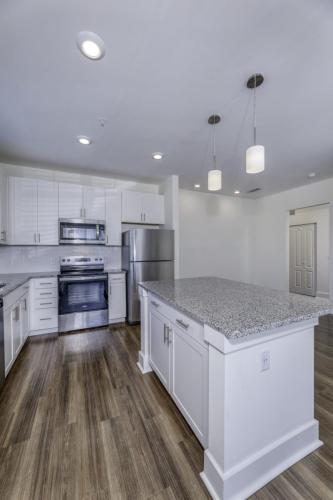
(236, 192)
(214, 175)
(157, 156)
(84, 140)
(311, 175)
(255, 155)
(197, 186)
(91, 45)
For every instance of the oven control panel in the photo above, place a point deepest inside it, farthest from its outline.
(81, 261)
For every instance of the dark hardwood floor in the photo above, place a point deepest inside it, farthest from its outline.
(79, 421)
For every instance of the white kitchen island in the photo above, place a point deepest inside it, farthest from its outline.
(238, 361)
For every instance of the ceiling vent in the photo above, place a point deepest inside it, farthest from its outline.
(254, 190)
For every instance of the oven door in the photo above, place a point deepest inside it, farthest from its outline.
(83, 293)
(77, 231)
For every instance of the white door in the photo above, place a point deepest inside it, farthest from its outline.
(48, 213)
(159, 347)
(189, 385)
(117, 297)
(153, 208)
(70, 201)
(131, 207)
(113, 217)
(94, 203)
(303, 265)
(22, 211)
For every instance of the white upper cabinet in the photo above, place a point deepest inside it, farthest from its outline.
(22, 211)
(70, 201)
(94, 203)
(142, 208)
(113, 217)
(33, 212)
(153, 208)
(47, 209)
(3, 209)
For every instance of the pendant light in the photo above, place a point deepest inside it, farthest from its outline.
(255, 155)
(215, 175)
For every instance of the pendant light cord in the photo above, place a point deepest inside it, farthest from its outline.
(254, 111)
(214, 145)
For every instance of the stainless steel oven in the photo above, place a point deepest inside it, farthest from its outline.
(81, 232)
(83, 293)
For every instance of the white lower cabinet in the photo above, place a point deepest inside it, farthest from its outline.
(16, 323)
(179, 357)
(44, 305)
(117, 297)
(159, 346)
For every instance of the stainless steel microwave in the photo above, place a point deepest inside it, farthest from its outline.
(81, 232)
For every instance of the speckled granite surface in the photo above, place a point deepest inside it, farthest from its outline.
(237, 309)
(15, 280)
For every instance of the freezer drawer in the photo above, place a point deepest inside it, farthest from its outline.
(144, 271)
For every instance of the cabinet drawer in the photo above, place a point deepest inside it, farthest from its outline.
(40, 283)
(46, 303)
(117, 278)
(183, 322)
(45, 318)
(44, 293)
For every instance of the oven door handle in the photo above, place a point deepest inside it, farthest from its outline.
(67, 279)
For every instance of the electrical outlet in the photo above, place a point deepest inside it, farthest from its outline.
(265, 360)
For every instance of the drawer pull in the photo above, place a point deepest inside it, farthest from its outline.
(182, 324)
(45, 283)
(156, 304)
(46, 303)
(46, 293)
(45, 319)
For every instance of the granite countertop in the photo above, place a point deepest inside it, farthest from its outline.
(15, 280)
(237, 309)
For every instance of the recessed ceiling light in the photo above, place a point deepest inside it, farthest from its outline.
(157, 156)
(197, 186)
(236, 192)
(83, 139)
(311, 175)
(91, 45)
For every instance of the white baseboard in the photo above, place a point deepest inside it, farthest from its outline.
(143, 363)
(246, 478)
(33, 333)
(323, 295)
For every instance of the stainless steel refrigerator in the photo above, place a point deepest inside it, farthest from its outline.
(147, 255)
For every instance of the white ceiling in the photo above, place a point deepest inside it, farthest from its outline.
(168, 66)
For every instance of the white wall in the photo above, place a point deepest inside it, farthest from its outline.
(170, 189)
(318, 215)
(270, 241)
(214, 235)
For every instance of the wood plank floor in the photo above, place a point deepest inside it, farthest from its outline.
(79, 421)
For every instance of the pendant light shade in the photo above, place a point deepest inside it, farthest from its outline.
(214, 180)
(255, 159)
(255, 155)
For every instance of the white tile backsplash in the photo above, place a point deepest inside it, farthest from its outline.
(21, 259)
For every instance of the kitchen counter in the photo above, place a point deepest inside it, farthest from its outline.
(237, 309)
(15, 280)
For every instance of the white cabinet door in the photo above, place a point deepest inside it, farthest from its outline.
(22, 211)
(117, 297)
(159, 347)
(24, 310)
(3, 209)
(16, 328)
(8, 339)
(48, 213)
(131, 207)
(113, 217)
(94, 203)
(189, 381)
(153, 208)
(70, 201)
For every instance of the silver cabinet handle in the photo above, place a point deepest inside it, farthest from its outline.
(164, 334)
(16, 313)
(35, 239)
(107, 239)
(25, 304)
(182, 324)
(46, 293)
(156, 304)
(45, 283)
(46, 303)
(168, 336)
(144, 217)
(45, 319)
(3, 236)
(38, 237)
